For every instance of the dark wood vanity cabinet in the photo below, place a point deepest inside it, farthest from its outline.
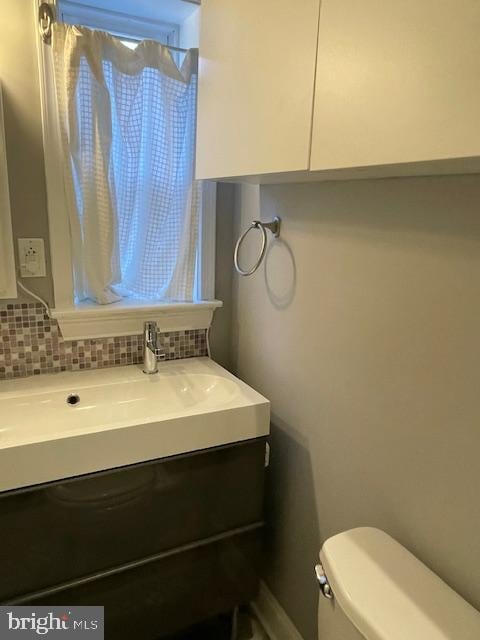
(161, 544)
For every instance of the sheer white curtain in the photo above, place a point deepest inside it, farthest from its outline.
(127, 121)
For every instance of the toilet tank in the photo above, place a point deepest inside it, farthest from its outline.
(382, 592)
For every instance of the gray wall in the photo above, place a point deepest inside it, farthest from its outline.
(363, 331)
(220, 334)
(23, 130)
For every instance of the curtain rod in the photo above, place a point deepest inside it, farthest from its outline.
(46, 18)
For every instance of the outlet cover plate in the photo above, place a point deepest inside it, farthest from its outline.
(31, 256)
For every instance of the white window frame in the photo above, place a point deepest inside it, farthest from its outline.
(8, 280)
(117, 23)
(88, 319)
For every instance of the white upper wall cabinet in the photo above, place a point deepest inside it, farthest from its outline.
(256, 84)
(397, 82)
(397, 89)
(8, 282)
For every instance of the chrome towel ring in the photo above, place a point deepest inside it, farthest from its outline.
(273, 226)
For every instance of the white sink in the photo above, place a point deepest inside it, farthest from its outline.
(122, 417)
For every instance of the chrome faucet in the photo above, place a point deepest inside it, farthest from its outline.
(151, 353)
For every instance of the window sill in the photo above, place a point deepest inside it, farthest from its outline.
(124, 318)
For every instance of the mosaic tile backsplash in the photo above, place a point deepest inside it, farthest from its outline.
(31, 344)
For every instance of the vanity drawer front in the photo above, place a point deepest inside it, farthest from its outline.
(61, 531)
(165, 596)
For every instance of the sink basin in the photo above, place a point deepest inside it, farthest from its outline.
(68, 424)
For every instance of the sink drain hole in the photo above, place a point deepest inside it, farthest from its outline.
(73, 399)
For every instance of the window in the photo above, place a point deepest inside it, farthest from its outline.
(146, 293)
(124, 21)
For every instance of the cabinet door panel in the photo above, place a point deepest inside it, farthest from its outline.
(397, 82)
(256, 79)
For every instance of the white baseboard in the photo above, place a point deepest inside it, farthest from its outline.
(273, 617)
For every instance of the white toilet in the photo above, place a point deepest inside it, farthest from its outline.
(377, 590)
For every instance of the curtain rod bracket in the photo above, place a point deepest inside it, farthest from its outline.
(46, 17)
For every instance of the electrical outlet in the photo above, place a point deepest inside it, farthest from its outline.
(31, 254)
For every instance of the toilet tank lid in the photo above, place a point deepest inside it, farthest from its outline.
(388, 594)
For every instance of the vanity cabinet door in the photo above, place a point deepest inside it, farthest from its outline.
(397, 82)
(256, 83)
